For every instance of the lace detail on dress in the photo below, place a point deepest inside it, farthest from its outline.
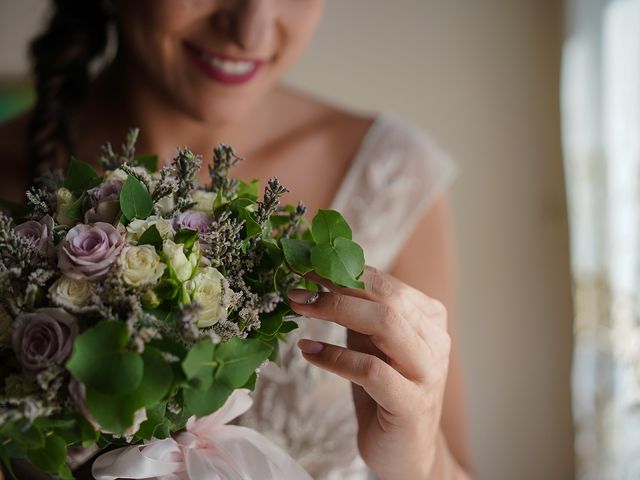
(396, 175)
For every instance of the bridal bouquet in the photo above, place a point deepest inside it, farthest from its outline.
(135, 304)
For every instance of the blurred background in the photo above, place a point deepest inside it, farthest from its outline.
(484, 79)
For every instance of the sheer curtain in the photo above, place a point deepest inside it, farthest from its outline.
(601, 135)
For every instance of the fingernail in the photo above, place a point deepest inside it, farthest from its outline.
(310, 347)
(303, 296)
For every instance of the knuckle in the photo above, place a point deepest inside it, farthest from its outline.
(335, 302)
(388, 317)
(437, 309)
(335, 356)
(379, 283)
(445, 342)
(372, 368)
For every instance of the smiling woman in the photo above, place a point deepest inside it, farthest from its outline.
(377, 391)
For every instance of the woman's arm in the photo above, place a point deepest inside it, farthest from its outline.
(427, 264)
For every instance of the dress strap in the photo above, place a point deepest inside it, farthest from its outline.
(397, 174)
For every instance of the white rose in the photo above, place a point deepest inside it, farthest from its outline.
(176, 258)
(64, 199)
(211, 291)
(137, 227)
(117, 174)
(5, 328)
(69, 293)
(141, 265)
(204, 200)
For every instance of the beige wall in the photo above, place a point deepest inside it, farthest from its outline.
(482, 77)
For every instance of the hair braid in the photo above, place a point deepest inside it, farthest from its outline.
(76, 34)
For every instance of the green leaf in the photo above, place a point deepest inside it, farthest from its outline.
(274, 356)
(251, 383)
(21, 432)
(288, 326)
(135, 200)
(151, 236)
(187, 237)
(155, 418)
(111, 412)
(156, 380)
(342, 262)
(327, 225)
(270, 324)
(274, 253)
(51, 457)
(205, 402)
(65, 473)
(102, 346)
(297, 253)
(148, 161)
(88, 434)
(238, 359)
(80, 177)
(5, 460)
(114, 373)
(242, 208)
(198, 365)
(248, 190)
(76, 209)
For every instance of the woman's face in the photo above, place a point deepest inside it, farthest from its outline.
(214, 59)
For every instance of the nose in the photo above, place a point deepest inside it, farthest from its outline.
(249, 23)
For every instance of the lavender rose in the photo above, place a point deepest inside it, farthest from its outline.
(88, 251)
(103, 203)
(43, 337)
(40, 233)
(192, 220)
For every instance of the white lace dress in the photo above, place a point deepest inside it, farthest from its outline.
(395, 177)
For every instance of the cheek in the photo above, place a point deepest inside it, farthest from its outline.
(299, 20)
(152, 29)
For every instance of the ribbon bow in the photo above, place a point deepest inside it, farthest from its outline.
(209, 449)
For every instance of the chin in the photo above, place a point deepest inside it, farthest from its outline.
(219, 111)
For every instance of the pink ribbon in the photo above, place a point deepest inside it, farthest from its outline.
(209, 449)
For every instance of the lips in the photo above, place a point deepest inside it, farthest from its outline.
(223, 68)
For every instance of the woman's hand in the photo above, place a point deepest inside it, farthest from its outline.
(397, 357)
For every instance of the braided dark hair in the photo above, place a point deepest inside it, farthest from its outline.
(77, 34)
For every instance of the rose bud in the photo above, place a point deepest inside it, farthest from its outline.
(103, 203)
(40, 233)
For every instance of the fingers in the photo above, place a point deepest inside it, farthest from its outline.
(387, 329)
(385, 288)
(383, 383)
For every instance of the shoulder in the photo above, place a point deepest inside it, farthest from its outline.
(307, 117)
(13, 157)
(375, 137)
(411, 149)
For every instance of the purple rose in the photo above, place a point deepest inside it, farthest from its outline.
(40, 233)
(198, 221)
(103, 203)
(88, 251)
(43, 337)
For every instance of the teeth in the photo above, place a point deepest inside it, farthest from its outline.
(229, 67)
